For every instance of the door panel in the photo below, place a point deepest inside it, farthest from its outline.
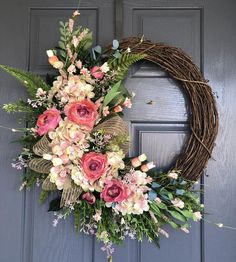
(165, 134)
(158, 121)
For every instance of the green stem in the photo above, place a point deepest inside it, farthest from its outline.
(109, 258)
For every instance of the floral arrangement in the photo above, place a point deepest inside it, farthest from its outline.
(76, 143)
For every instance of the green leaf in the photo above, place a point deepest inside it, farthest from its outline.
(17, 107)
(62, 45)
(155, 209)
(115, 91)
(173, 224)
(77, 219)
(162, 205)
(88, 41)
(177, 215)
(186, 213)
(123, 62)
(30, 81)
(43, 196)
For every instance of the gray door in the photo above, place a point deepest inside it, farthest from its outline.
(205, 30)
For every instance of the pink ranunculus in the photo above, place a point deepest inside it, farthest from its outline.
(94, 165)
(49, 120)
(97, 72)
(83, 113)
(114, 191)
(89, 198)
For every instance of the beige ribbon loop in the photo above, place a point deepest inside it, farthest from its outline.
(115, 125)
(70, 194)
(42, 146)
(48, 185)
(40, 165)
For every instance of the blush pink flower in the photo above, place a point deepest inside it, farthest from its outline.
(94, 165)
(89, 198)
(114, 191)
(71, 69)
(79, 64)
(49, 120)
(97, 72)
(178, 203)
(83, 113)
(71, 25)
(127, 103)
(105, 111)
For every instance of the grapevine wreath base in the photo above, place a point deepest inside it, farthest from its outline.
(203, 119)
(76, 143)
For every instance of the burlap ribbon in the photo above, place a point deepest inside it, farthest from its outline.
(115, 125)
(71, 192)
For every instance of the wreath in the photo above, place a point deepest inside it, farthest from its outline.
(76, 143)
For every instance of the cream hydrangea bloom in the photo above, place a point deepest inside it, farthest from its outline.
(59, 175)
(115, 159)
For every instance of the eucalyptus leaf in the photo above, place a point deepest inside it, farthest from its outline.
(155, 185)
(117, 54)
(98, 49)
(115, 44)
(152, 195)
(179, 192)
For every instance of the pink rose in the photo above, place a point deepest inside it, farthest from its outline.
(94, 165)
(83, 113)
(89, 198)
(114, 191)
(49, 120)
(97, 72)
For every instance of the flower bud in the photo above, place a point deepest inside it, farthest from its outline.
(50, 53)
(142, 157)
(144, 168)
(135, 162)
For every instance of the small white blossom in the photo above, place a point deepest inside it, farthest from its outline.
(178, 203)
(173, 175)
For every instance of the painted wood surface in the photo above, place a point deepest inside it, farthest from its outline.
(205, 30)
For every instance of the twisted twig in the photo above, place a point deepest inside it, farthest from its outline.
(203, 117)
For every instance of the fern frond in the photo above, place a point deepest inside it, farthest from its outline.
(17, 107)
(30, 81)
(122, 64)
